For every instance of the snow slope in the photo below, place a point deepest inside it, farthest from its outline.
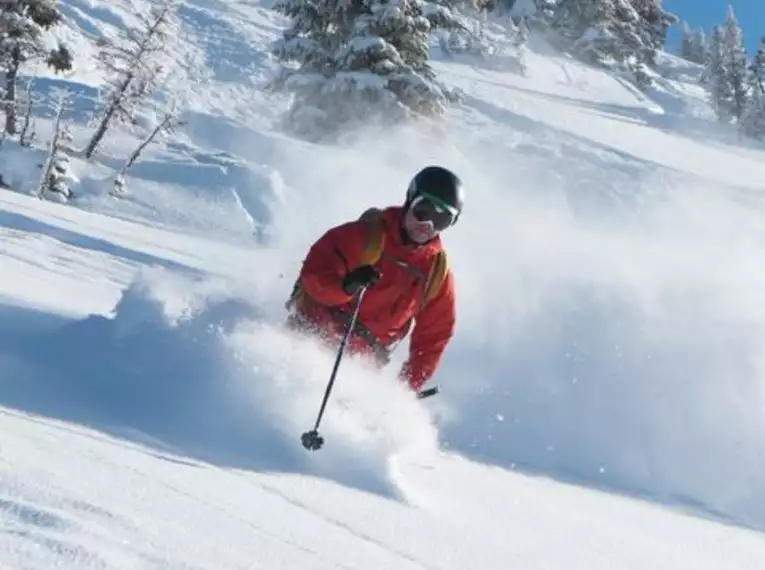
(610, 333)
(164, 435)
(139, 508)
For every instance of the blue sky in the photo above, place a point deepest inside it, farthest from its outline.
(707, 13)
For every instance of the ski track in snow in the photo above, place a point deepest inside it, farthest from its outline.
(610, 332)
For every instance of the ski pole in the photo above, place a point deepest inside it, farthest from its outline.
(311, 439)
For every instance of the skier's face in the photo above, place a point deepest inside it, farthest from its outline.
(425, 219)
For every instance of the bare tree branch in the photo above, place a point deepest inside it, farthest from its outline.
(132, 64)
(167, 124)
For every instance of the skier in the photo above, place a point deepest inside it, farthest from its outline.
(397, 254)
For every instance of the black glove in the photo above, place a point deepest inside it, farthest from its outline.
(363, 276)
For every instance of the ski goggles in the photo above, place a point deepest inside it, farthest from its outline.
(427, 208)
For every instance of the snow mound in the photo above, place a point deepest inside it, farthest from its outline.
(196, 369)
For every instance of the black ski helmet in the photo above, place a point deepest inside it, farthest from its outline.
(439, 183)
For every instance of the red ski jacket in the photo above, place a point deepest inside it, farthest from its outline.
(390, 305)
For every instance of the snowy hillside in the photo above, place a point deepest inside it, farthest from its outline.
(163, 435)
(602, 404)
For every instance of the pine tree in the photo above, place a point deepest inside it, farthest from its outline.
(521, 34)
(687, 47)
(653, 25)
(700, 48)
(693, 46)
(517, 60)
(716, 77)
(757, 68)
(23, 24)
(586, 21)
(345, 62)
(625, 32)
(599, 31)
(752, 122)
(736, 64)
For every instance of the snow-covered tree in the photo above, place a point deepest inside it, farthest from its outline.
(57, 177)
(736, 63)
(135, 65)
(346, 62)
(598, 30)
(23, 24)
(500, 40)
(536, 13)
(757, 67)
(752, 122)
(518, 39)
(686, 42)
(693, 46)
(477, 41)
(653, 27)
(700, 47)
(640, 74)
(716, 77)
(612, 32)
(471, 38)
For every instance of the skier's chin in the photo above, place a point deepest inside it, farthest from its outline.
(420, 236)
(421, 239)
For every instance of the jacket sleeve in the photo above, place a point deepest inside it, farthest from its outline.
(433, 329)
(336, 253)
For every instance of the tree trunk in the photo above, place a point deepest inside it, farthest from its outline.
(11, 75)
(108, 116)
(27, 118)
(100, 131)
